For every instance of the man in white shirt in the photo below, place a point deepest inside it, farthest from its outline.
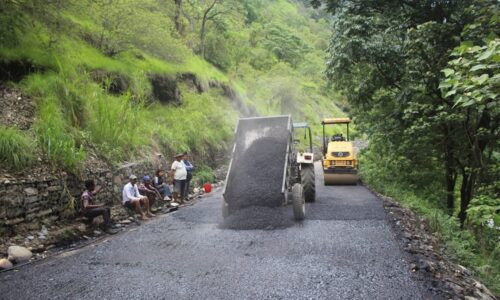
(179, 171)
(132, 199)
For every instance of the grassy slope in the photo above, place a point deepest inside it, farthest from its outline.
(75, 113)
(74, 110)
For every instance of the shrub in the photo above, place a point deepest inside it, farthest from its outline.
(203, 174)
(15, 148)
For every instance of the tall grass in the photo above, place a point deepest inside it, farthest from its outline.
(16, 149)
(203, 124)
(56, 142)
(117, 126)
(74, 111)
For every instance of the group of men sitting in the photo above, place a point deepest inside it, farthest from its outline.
(142, 198)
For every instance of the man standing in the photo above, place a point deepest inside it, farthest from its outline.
(91, 210)
(189, 169)
(132, 199)
(179, 170)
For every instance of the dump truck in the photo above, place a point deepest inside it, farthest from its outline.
(264, 170)
(340, 166)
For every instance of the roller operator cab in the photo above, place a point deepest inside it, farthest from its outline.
(340, 165)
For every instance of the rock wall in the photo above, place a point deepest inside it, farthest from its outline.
(30, 202)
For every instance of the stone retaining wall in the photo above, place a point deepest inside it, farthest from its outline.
(29, 202)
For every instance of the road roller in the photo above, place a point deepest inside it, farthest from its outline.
(340, 166)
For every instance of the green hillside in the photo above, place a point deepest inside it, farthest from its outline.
(124, 79)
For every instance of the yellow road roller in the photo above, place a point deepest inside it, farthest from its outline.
(340, 166)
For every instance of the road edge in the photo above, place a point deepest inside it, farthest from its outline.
(428, 260)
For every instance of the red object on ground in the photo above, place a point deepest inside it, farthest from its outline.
(207, 187)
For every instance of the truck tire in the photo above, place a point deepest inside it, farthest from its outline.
(225, 209)
(288, 197)
(308, 182)
(299, 205)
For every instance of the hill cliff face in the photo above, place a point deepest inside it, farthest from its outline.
(115, 81)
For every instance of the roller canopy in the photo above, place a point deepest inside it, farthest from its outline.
(336, 121)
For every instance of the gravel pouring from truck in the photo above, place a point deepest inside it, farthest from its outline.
(263, 169)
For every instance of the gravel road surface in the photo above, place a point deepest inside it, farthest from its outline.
(344, 249)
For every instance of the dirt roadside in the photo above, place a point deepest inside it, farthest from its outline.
(429, 259)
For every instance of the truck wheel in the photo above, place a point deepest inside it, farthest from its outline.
(225, 209)
(288, 197)
(308, 182)
(299, 205)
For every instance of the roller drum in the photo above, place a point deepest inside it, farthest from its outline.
(341, 179)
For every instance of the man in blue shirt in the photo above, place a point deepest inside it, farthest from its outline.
(189, 168)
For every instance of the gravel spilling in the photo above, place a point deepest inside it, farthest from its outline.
(259, 218)
(257, 178)
(253, 189)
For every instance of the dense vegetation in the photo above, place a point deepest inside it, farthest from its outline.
(92, 66)
(422, 79)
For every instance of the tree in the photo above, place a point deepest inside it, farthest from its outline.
(208, 11)
(387, 57)
(177, 16)
(287, 46)
(473, 85)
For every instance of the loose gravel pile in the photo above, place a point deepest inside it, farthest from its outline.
(259, 218)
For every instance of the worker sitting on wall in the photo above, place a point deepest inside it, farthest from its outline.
(161, 185)
(146, 188)
(132, 199)
(91, 210)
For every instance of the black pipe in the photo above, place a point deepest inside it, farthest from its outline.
(324, 145)
(310, 140)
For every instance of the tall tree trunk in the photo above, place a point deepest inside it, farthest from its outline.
(476, 162)
(202, 37)
(177, 17)
(450, 172)
(466, 193)
(451, 179)
(204, 27)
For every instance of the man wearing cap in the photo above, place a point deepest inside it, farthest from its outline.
(132, 199)
(179, 170)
